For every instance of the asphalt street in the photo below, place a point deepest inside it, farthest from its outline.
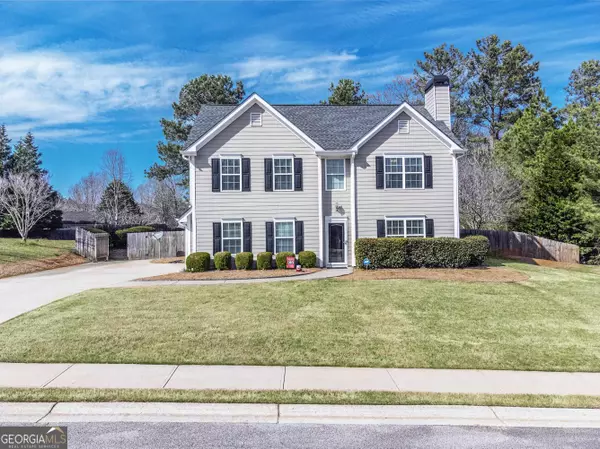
(303, 436)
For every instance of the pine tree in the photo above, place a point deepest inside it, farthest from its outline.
(5, 151)
(347, 92)
(117, 205)
(26, 157)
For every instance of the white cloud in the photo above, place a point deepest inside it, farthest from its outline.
(53, 87)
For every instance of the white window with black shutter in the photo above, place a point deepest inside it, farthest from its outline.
(230, 174)
(283, 174)
(233, 235)
(403, 172)
(284, 235)
(407, 227)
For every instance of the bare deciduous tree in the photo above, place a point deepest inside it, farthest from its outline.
(488, 195)
(27, 199)
(401, 89)
(85, 195)
(161, 201)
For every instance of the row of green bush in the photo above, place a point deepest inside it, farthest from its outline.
(196, 262)
(442, 252)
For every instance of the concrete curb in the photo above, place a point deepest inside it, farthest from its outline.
(68, 412)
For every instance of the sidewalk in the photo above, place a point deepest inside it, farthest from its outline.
(198, 377)
(70, 412)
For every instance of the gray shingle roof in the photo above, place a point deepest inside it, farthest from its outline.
(332, 127)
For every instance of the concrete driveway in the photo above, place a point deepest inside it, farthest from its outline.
(24, 293)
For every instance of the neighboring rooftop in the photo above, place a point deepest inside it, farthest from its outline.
(332, 127)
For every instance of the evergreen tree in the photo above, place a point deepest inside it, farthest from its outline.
(347, 92)
(117, 206)
(5, 151)
(206, 89)
(26, 157)
(503, 80)
(584, 84)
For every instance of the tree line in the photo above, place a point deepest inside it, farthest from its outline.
(530, 166)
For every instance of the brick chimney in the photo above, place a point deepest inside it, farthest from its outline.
(437, 98)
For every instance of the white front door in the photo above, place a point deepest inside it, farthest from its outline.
(337, 242)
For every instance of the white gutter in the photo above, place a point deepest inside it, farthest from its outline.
(353, 207)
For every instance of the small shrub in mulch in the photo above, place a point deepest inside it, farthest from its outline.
(281, 259)
(264, 261)
(197, 262)
(307, 259)
(223, 260)
(244, 261)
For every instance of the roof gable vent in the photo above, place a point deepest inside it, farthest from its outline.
(255, 119)
(403, 126)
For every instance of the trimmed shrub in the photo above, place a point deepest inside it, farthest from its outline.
(95, 230)
(307, 259)
(121, 234)
(196, 262)
(442, 252)
(223, 260)
(244, 261)
(280, 259)
(264, 261)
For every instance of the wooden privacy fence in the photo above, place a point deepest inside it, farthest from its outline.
(509, 243)
(155, 245)
(63, 234)
(93, 246)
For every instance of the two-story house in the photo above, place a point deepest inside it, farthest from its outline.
(317, 177)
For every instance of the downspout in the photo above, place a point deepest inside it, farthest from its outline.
(320, 175)
(456, 193)
(191, 161)
(353, 206)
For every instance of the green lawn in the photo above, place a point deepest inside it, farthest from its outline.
(550, 322)
(14, 250)
(292, 397)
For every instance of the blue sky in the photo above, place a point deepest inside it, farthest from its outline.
(90, 76)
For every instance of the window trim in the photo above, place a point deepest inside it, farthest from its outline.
(284, 220)
(404, 220)
(403, 172)
(223, 238)
(252, 116)
(284, 174)
(327, 189)
(221, 174)
(407, 126)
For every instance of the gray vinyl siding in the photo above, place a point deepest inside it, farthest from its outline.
(437, 102)
(373, 204)
(343, 199)
(257, 206)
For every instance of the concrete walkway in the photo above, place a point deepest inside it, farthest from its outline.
(200, 377)
(24, 293)
(73, 412)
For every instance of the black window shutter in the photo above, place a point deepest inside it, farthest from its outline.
(379, 172)
(216, 174)
(297, 173)
(299, 236)
(270, 234)
(429, 232)
(380, 228)
(268, 175)
(247, 237)
(428, 173)
(216, 237)
(245, 174)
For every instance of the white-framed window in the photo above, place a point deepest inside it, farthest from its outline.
(255, 119)
(285, 236)
(405, 227)
(231, 236)
(231, 174)
(403, 126)
(283, 173)
(404, 172)
(335, 174)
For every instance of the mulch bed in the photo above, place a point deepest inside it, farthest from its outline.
(179, 259)
(32, 266)
(228, 275)
(480, 274)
